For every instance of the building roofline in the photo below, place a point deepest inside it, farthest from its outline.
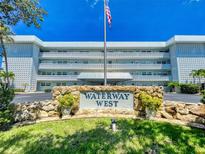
(121, 45)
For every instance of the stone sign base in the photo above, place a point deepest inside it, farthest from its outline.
(31, 112)
(134, 90)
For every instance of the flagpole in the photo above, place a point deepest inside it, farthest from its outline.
(105, 46)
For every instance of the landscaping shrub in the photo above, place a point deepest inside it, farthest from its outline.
(68, 102)
(149, 102)
(6, 110)
(47, 90)
(203, 99)
(173, 86)
(19, 90)
(189, 88)
(203, 92)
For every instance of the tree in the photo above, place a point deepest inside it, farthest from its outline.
(198, 74)
(201, 73)
(4, 35)
(5, 75)
(13, 11)
(6, 111)
(173, 85)
(194, 74)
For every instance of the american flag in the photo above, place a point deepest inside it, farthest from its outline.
(108, 13)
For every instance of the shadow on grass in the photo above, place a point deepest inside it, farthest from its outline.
(133, 136)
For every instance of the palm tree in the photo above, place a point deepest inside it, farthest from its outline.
(4, 75)
(173, 85)
(201, 73)
(4, 36)
(194, 74)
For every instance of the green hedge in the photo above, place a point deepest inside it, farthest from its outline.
(149, 102)
(6, 109)
(19, 90)
(203, 99)
(47, 90)
(189, 88)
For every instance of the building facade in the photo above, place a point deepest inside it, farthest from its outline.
(41, 65)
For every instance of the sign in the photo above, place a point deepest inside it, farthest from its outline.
(106, 99)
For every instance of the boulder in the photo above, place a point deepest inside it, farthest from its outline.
(183, 111)
(198, 110)
(50, 107)
(166, 115)
(53, 114)
(43, 114)
(189, 117)
(200, 120)
(180, 106)
(171, 110)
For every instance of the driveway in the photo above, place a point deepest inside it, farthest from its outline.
(32, 97)
(47, 96)
(182, 97)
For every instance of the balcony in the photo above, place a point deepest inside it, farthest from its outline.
(151, 78)
(99, 55)
(111, 67)
(57, 78)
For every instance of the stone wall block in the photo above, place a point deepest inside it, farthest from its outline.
(166, 115)
(171, 110)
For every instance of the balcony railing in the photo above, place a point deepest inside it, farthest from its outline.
(57, 78)
(121, 67)
(151, 78)
(74, 78)
(99, 55)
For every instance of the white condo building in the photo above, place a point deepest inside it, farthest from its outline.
(42, 65)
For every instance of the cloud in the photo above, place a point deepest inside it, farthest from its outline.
(188, 2)
(92, 3)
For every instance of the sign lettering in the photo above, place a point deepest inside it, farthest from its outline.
(107, 99)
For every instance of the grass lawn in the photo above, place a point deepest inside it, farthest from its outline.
(94, 136)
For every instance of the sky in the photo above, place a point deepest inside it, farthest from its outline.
(133, 20)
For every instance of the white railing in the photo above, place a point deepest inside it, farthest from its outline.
(51, 66)
(151, 78)
(57, 78)
(99, 55)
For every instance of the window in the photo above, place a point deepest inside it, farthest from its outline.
(149, 73)
(63, 84)
(58, 84)
(75, 73)
(60, 62)
(144, 73)
(110, 62)
(48, 84)
(43, 84)
(64, 73)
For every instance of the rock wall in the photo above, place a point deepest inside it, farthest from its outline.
(32, 111)
(75, 90)
(183, 111)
